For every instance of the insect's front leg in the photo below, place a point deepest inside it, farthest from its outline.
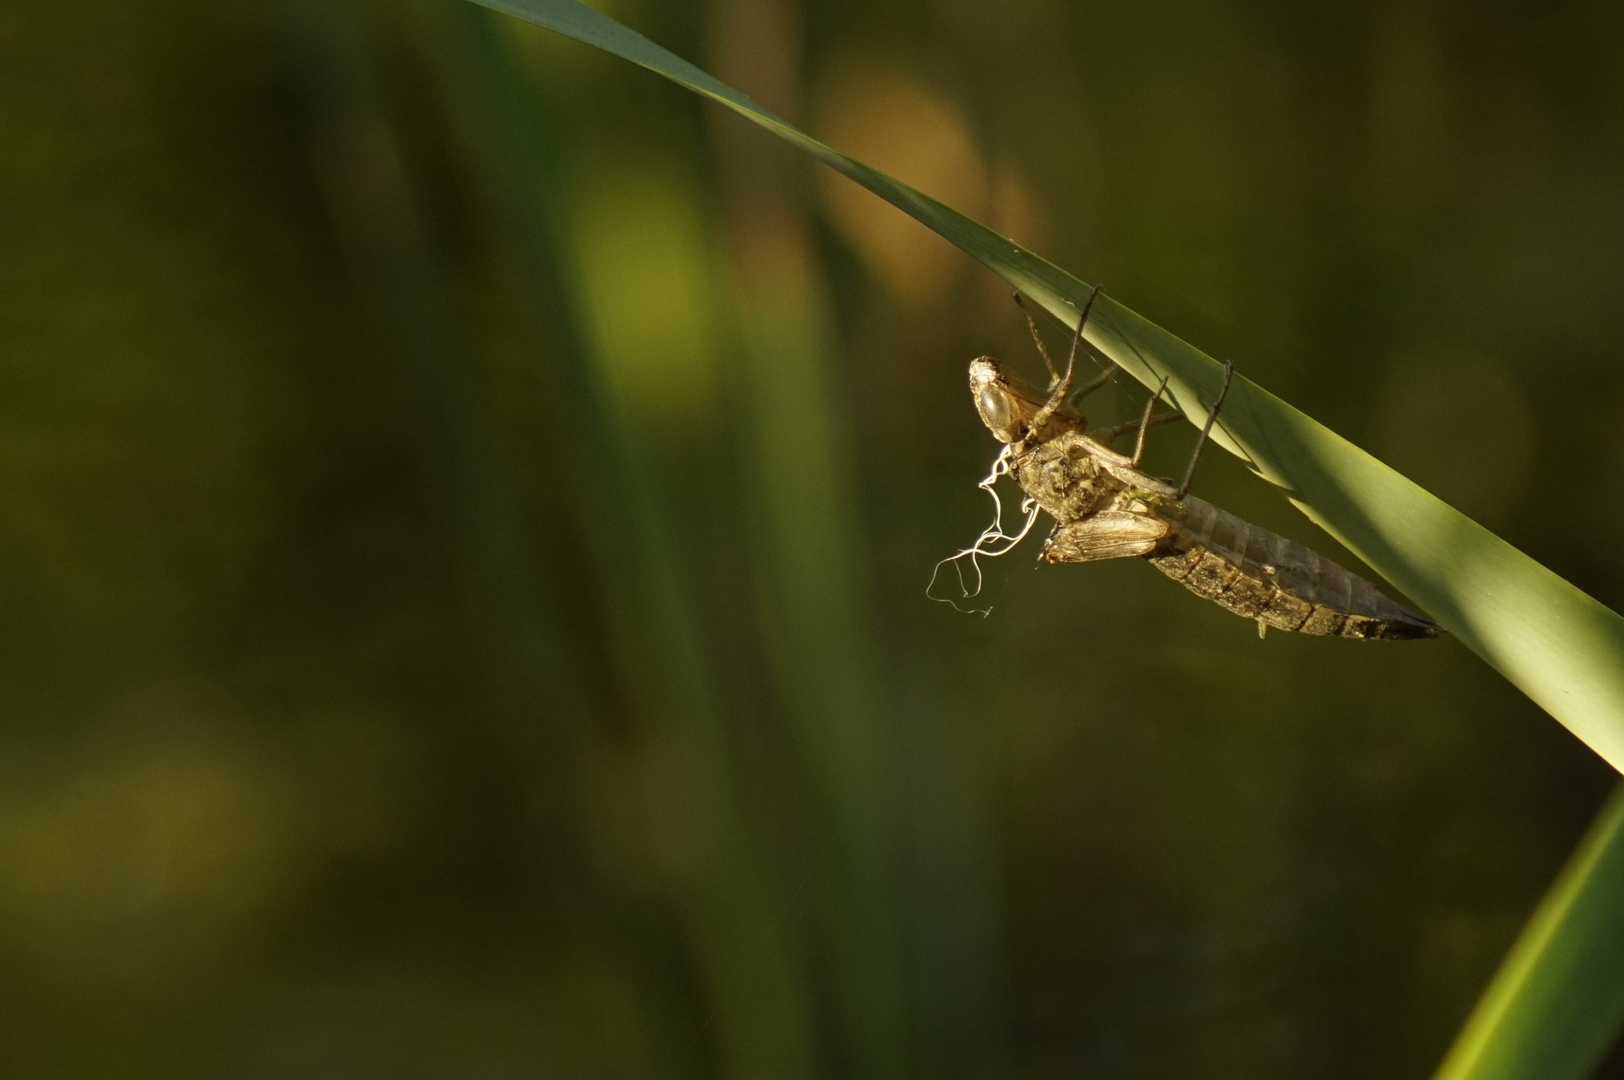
(1106, 376)
(1112, 434)
(1062, 389)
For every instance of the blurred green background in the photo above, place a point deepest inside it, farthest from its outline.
(467, 509)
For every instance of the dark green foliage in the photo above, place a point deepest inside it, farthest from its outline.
(462, 621)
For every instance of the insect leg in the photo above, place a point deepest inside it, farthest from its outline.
(1201, 442)
(1037, 339)
(1063, 390)
(1104, 378)
(1110, 434)
(1144, 425)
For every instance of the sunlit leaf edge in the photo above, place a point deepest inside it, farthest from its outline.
(1553, 1008)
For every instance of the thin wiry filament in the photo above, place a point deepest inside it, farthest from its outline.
(991, 535)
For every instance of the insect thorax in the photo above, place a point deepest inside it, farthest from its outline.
(1064, 477)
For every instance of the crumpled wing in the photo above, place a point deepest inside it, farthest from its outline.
(1109, 534)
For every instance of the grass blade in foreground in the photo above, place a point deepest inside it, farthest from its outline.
(1556, 644)
(1557, 1000)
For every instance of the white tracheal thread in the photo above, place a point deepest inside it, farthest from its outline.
(992, 534)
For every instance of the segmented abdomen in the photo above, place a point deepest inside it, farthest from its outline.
(1263, 576)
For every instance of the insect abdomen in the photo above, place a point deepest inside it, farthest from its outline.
(1263, 576)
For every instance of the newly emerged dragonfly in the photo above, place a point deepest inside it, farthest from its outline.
(1105, 508)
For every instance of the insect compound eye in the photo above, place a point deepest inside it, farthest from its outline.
(993, 404)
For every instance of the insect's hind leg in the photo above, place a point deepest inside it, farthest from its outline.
(1144, 425)
(1201, 440)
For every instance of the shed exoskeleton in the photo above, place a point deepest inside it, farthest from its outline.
(1105, 508)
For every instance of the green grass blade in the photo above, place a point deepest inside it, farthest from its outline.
(1556, 1001)
(1558, 998)
(1558, 645)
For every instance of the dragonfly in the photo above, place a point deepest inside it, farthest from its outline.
(1104, 507)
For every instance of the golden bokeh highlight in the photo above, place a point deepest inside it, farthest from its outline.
(647, 270)
(880, 112)
(156, 850)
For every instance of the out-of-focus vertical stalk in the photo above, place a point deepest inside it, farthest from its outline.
(811, 607)
(740, 945)
(1557, 1001)
(375, 204)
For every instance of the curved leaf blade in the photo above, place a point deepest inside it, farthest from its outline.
(1556, 1001)
(1555, 643)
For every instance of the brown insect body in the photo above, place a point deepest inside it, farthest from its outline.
(1105, 508)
